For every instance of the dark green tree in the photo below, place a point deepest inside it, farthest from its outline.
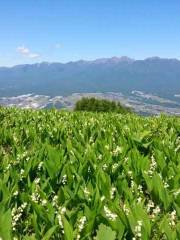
(100, 105)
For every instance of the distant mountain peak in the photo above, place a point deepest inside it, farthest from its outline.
(125, 59)
(114, 60)
(153, 58)
(156, 58)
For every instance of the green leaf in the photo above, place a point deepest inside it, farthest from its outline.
(32, 237)
(5, 225)
(68, 230)
(49, 233)
(52, 164)
(105, 233)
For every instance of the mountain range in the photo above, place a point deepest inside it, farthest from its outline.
(153, 75)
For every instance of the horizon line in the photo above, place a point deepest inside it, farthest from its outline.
(93, 60)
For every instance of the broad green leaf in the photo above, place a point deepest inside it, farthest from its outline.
(105, 233)
(5, 225)
(68, 230)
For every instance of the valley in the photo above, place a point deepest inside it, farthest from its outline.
(142, 103)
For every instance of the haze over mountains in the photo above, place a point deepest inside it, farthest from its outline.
(152, 75)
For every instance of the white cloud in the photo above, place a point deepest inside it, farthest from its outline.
(33, 55)
(26, 52)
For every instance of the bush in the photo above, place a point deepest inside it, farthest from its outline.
(100, 105)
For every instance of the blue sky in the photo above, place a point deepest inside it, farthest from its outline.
(68, 30)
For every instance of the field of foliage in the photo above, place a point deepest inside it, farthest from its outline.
(88, 176)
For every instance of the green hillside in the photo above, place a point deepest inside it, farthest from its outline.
(88, 176)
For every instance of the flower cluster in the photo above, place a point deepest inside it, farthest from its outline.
(126, 210)
(172, 221)
(152, 210)
(40, 166)
(64, 179)
(112, 192)
(176, 193)
(107, 147)
(166, 185)
(15, 193)
(117, 151)
(104, 167)
(137, 230)
(114, 166)
(152, 167)
(16, 215)
(35, 197)
(37, 181)
(81, 224)
(44, 202)
(140, 189)
(55, 201)
(110, 215)
(100, 157)
(132, 185)
(155, 212)
(150, 206)
(102, 198)
(91, 140)
(61, 212)
(21, 174)
(87, 193)
(7, 168)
